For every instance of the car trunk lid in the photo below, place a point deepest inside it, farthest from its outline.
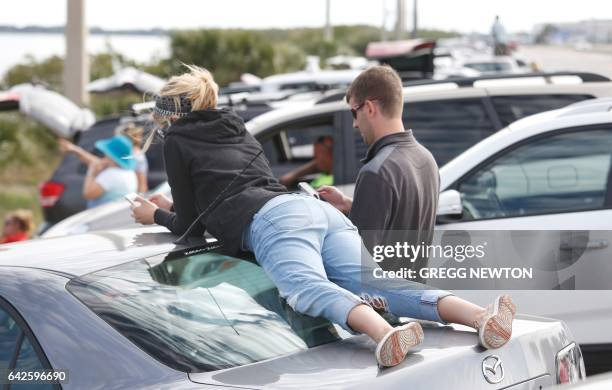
(449, 357)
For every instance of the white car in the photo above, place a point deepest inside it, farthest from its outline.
(494, 64)
(550, 171)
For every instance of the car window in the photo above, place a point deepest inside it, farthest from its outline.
(447, 128)
(560, 173)
(13, 338)
(512, 108)
(28, 361)
(9, 333)
(293, 145)
(201, 312)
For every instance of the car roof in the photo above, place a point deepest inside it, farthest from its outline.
(448, 89)
(81, 254)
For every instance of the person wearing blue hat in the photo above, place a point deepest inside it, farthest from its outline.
(113, 176)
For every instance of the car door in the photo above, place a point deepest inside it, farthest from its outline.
(557, 181)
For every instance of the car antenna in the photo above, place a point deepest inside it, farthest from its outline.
(182, 240)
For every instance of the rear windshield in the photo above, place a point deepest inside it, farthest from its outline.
(199, 313)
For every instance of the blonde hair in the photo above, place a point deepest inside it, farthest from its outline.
(24, 218)
(133, 132)
(198, 85)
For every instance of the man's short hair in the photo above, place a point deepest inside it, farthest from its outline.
(380, 83)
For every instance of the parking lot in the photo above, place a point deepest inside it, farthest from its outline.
(554, 58)
(346, 207)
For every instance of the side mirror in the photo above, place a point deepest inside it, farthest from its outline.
(449, 203)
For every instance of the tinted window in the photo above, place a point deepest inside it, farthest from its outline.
(561, 173)
(512, 108)
(9, 332)
(28, 360)
(199, 313)
(447, 128)
(12, 338)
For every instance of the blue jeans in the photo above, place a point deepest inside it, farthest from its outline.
(312, 253)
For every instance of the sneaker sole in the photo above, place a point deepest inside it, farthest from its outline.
(392, 349)
(498, 327)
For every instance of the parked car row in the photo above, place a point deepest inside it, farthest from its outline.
(130, 309)
(529, 176)
(447, 117)
(547, 171)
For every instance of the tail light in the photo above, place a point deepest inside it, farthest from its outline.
(50, 192)
(570, 365)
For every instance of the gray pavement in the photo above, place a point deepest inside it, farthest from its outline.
(554, 58)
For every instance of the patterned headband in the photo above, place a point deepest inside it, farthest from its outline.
(166, 106)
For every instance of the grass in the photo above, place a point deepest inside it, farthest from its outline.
(28, 157)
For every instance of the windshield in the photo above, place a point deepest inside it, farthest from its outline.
(199, 313)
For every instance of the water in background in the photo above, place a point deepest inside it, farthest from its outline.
(141, 48)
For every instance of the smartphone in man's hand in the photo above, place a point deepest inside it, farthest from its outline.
(307, 188)
(131, 197)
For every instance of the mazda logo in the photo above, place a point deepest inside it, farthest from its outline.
(492, 369)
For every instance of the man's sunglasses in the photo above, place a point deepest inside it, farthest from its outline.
(359, 107)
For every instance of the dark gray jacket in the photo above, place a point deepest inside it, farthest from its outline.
(204, 152)
(396, 193)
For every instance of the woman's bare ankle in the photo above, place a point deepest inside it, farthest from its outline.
(364, 319)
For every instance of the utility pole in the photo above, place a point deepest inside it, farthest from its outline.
(329, 32)
(400, 23)
(76, 63)
(383, 27)
(415, 20)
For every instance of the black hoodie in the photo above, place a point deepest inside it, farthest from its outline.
(203, 152)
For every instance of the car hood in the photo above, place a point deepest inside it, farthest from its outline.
(106, 216)
(448, 358)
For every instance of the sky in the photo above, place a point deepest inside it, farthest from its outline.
(462, 16)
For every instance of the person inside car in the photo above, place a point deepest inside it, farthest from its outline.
(322, 164)
(221, 182)
(111, 177)
(17, 226)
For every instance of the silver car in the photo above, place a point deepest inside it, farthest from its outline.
(130, 309)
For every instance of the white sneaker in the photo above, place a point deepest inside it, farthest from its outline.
(495, 327)
(392, 349)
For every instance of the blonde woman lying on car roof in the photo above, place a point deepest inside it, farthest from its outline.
(309, 249)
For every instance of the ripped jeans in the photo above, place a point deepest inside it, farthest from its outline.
(312, 253)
